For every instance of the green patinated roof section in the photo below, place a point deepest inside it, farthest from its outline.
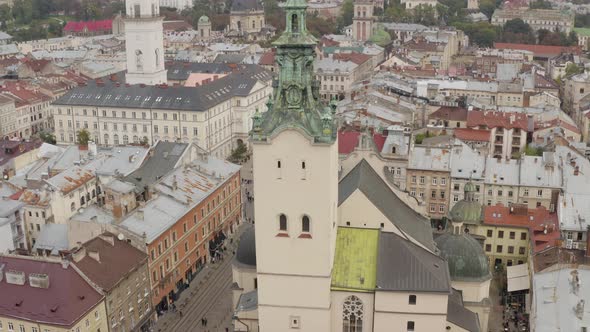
(333, 49)
(355, 259)
(295, 102)
(582, 31)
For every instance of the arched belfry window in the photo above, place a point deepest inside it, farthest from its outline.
(294, 24)
(283, 222)
(352, 314)
(305, 224)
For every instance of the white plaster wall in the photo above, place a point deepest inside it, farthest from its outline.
(294, 274)
(392, 311)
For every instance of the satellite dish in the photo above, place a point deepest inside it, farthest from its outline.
(121, 237)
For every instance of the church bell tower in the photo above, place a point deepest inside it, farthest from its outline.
(295, 158)
(144, 42)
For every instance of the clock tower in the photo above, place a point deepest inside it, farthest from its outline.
(144, 42)
(295, 160)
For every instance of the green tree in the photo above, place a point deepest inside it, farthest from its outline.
(533, 151)
(424, 14)
(55, 29)
(572, 69)
(5, 13)
(582, 20)
(239, 153)
(22, 11)
(83, 137)
(90, 10)
(47, 138)
(540, 4)
(488, 7)
(346, 13)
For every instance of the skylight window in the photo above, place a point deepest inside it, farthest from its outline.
(118, 97)
(127, 97)
(108, 96)
(159, 99)
(137, 98)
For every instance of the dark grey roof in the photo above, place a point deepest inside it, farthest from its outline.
(459, 315)
(366, 179)
(180, 71)
(248, 301)
(165, 156)
(242, 5)
(246, 252)
(111, 93)
(422, 270)
(229, 58)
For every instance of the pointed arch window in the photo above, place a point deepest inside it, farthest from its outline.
(352, 314)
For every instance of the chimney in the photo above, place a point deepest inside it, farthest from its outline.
(174, 183)
(94, 255)
(139, 214)
(65, 264)
(79, 254)
(92, 148)
(108, 238)
(577, 171)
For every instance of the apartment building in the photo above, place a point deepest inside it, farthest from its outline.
(212, 116)
(125, 283)
(429, 178)
(51, 296)
(509, 132)
(575, 88)
(191, 210)
(467, 166)
(29, 112)
(512, 232)
(7, 118)
(338, 71)
(12, 235)
(538, 19)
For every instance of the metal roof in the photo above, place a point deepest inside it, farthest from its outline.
(422, 270)
(355, 259)
(364, 178)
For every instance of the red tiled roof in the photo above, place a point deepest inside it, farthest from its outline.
(492, 119)
(539, 50)
(357, 58)
(466, 134)
(176, 26)
(267, 59)
(379, 141)
(37, 65)
(103, 25)
(450, 113)
(67, 299)
(557, 123)
(348, 141)
(536, 220)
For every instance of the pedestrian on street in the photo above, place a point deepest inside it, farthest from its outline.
(205, 321)
(202, 321)
(180, 312)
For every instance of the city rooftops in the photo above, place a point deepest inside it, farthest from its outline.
(430, 158)
(106, 260)
(71, 179)
(58, 295)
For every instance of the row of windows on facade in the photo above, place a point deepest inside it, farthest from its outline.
(512, 235)
(123, 114)
(205, 230)
(434, 180)
(21, 327)
(499, 248)
(214, 126)
(305, 223)
(332, 78)
(353, 314)
(142, 309)
(83, 200)
(433, 194)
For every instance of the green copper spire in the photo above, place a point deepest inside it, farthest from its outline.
(295, 101)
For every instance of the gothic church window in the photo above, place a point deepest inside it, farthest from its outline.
(352, 314)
